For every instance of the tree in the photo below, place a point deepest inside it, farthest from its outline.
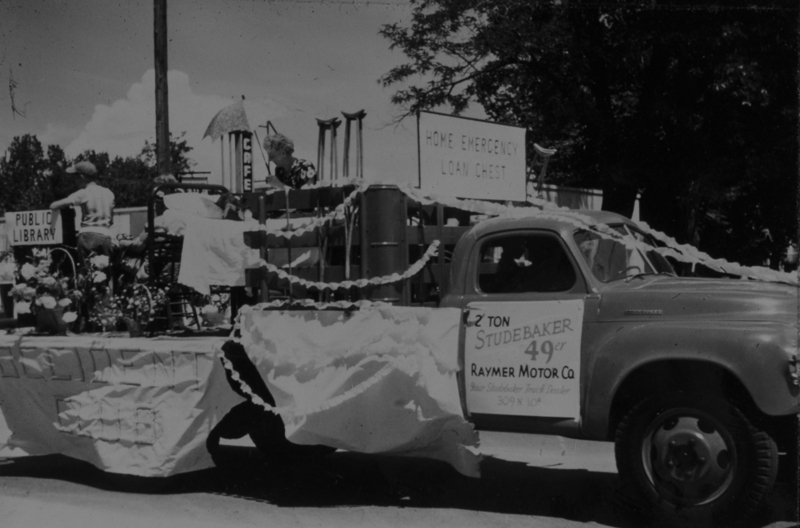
(32, 180)
(61, 183)
(687, 106)
(178, 150)
(23, 175)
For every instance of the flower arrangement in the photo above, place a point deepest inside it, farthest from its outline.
(135, 305)
(45, 283)
(48, 285)
(214, 308)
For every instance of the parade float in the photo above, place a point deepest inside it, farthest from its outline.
(401, 319)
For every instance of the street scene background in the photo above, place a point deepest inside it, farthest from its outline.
(682, 111)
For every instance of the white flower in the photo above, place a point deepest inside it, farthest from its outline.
(99, 276)
(18, 291)
(69, 317)
(47, 301)
(7, 271)
(22, 307)
(48, 281)
(99, 261)
(64, 302)
(27, 271)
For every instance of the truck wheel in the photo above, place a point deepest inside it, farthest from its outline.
(691, 459)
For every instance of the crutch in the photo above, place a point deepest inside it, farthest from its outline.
(359, 117)
(544, 154)
(324, 125)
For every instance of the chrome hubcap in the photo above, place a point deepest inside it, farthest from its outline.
(688, 457)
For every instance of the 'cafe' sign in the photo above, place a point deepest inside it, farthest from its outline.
(34, 228)
(247, 162)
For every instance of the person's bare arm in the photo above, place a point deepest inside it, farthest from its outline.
(60, 204)
(73, 199)
(274, 182)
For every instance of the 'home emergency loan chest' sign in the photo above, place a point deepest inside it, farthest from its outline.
(34, 228)
(468, 158)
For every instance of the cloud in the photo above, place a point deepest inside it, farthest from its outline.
(57, 134)
(121, 129)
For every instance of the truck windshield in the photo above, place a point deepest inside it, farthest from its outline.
(610, 260)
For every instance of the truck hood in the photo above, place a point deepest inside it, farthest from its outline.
(659, 297)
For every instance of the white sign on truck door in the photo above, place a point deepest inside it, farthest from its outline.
(523, 358)
(468, 158)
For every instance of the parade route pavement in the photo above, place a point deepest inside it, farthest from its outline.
(527, 480)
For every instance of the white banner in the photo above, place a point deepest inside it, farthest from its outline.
(523, 358)
(377, 380)
(467, 158)
(134, 406)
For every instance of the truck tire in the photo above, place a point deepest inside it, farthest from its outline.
(693, 460)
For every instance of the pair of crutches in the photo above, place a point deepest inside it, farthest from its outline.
(330, 125)
(326, 125)
(543, 155)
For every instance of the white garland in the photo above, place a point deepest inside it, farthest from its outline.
(308, 303)
(680, 252)
(359, 283)
(316, 222)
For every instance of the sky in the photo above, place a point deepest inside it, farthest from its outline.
(83, 75)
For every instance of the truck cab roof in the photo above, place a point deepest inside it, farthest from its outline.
(553, 223)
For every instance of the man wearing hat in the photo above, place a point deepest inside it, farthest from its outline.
(97, 208)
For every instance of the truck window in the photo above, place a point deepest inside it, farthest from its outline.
(524, 264)
(658, 262)
(610, 260)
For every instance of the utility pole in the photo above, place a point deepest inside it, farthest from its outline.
(162, 92)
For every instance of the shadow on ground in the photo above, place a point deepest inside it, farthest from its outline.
(350, 479)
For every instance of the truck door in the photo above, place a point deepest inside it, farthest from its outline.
(521, 344)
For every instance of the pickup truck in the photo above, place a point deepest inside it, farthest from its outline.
(567, 331)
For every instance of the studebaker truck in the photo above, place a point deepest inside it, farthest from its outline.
(574, 324)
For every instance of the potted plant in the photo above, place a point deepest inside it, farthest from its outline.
(47, 292)
(215, 309)
(130, 307)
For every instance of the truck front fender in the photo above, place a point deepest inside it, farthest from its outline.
(756, 354)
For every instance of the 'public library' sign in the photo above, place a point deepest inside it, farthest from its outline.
(34, 228)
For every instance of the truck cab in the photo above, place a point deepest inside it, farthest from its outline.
(574, 324)
(695, 379)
